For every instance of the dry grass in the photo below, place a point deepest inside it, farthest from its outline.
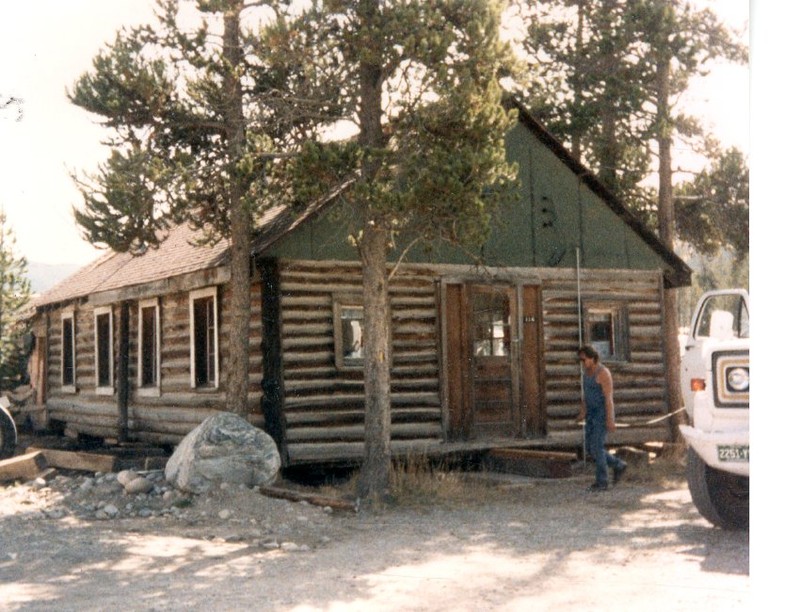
(417, 481)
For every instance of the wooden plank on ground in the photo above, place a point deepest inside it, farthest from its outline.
(23, 467)
(535, 463)
(311, 498)
(74, 460)
(534, 454)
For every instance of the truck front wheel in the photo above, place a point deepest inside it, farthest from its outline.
(722, 498)
(8, 434)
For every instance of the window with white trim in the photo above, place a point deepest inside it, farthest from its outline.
(204, 338)
(149, 348)
(104, 350)
(348, 332)
(68, 351)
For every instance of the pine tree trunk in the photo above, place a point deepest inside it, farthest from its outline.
(374, 480)
(373, 483)
(666, 224)
(237, 366)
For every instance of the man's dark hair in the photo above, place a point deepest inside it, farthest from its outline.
(590, 352)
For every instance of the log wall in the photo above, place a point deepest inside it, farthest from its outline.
(164, 417)
(323, 404)
(640, 392)
(320, 406)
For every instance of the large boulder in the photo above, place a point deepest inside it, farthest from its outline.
(223, 448)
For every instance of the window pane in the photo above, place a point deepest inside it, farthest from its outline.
(205, 349)
(491, 324)
(352, 327)
(601, 333)
(67, 339)
(729, 315)
(149, 347)
(103, 339)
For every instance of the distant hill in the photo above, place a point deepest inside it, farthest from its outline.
(44, 276)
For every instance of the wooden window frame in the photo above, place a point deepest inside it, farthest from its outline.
(208, 292)
(340, 303)
(69, 386)
(620, 331)
(153, 390)
(104, 389)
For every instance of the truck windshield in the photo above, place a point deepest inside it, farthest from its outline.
(723, 316)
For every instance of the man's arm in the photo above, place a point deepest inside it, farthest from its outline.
(607, 385)
(581, 413)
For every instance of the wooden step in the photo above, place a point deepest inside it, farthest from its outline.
(526, 462)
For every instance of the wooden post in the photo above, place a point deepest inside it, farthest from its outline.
(271, 381)
(123, 384)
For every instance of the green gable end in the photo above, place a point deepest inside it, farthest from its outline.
(560, 209)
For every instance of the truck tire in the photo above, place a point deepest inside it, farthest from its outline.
(723, 499)
(8, 434)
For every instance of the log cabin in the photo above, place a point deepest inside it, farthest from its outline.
(482, 355)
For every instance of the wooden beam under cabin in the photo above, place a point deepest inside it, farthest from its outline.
(72, 460)
(23, 467)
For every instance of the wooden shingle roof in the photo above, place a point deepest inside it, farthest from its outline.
(178, 254)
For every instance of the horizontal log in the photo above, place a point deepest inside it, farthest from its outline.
(72, 460)
(397, 399)
(320, 418)
(311, 498)
(622, 411)
(299, 453)
(399, 431)
(23, 467)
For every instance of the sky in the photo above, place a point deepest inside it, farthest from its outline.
(46, 45)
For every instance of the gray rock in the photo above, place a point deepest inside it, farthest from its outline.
(223, 449)
(126, 476)
(138, 485)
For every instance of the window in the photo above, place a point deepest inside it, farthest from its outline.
(149, 364)
(68, 351)
(348, 332)
(103, 351)
(723, 316)
(491, 324)
(204, 338)
(606, 329)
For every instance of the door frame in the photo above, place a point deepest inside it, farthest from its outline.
(527, 357)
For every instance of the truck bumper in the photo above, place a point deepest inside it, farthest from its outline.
(727, 451)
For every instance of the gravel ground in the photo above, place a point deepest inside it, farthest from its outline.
(80, 542)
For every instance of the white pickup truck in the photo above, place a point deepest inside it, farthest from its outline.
(715, 380)
(8, 431)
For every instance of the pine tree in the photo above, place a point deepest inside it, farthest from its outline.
(15, 293)
(712, 210)
(215, 134)
(198, 113)
(427, 163)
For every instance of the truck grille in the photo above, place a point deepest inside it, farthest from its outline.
(731, 379)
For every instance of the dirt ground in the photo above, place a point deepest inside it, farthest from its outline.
(79, 542)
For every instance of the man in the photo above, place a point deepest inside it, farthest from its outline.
(597, 409)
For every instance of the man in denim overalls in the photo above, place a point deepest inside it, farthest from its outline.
(597, 409)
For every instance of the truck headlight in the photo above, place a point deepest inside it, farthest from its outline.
(738, 379)
(731, 372)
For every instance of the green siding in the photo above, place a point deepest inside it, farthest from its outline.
(554, 214)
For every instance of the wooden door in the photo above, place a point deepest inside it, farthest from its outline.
(492, 361)
(491, 311)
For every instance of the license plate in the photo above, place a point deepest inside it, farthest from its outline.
(734, 452)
